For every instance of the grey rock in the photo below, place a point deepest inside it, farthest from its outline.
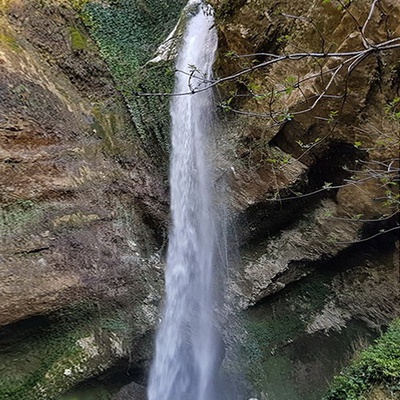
(133, 391)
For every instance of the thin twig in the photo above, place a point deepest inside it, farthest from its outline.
(371, 11)
(372, 237)
(355, 56)
(355, 220)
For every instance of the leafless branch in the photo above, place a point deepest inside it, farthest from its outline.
(396, 228)
(355, 57)
(364, 27)
(361, 220)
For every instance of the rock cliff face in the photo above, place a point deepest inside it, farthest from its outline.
(298, 134)
(311, 192)
(82, 205)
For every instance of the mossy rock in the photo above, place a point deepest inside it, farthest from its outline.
(46, 356)
(78, 39)
(9, 40)
(128, 33)
(19, 217)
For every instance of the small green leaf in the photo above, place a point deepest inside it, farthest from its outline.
(230, 54)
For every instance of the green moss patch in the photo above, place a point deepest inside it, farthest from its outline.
(271, 327)
(128, 32)
(43, 357)
(19, 217)
(78, 39)
(9, 40)
(265, 336)
(24, 367)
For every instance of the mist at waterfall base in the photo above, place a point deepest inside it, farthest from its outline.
(188, 350)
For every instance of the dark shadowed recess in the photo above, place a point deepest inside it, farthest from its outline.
(266, 218)
(290, 363)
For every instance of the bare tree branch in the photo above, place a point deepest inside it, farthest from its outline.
(396, 228)
(371, 11)
(355, 57)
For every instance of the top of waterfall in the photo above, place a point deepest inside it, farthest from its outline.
(194, 2)
(167, 50)
(194, 6)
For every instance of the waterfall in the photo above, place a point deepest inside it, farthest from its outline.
(186, 357)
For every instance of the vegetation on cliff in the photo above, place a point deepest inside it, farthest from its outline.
(71, 227)
(128, 33)
(377, 365)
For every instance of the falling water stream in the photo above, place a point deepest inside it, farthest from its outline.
(185, 363)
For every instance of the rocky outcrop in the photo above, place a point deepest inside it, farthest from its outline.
(132, 391)
(312, 153)
(82, 208)
(308, 179)
(321, 166)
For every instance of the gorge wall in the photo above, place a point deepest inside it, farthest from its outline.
(312, 196)
(82, 205)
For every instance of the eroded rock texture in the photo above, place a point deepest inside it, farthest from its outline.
(82, 208)
(314, 145)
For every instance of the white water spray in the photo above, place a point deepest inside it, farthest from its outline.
(186, 358)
